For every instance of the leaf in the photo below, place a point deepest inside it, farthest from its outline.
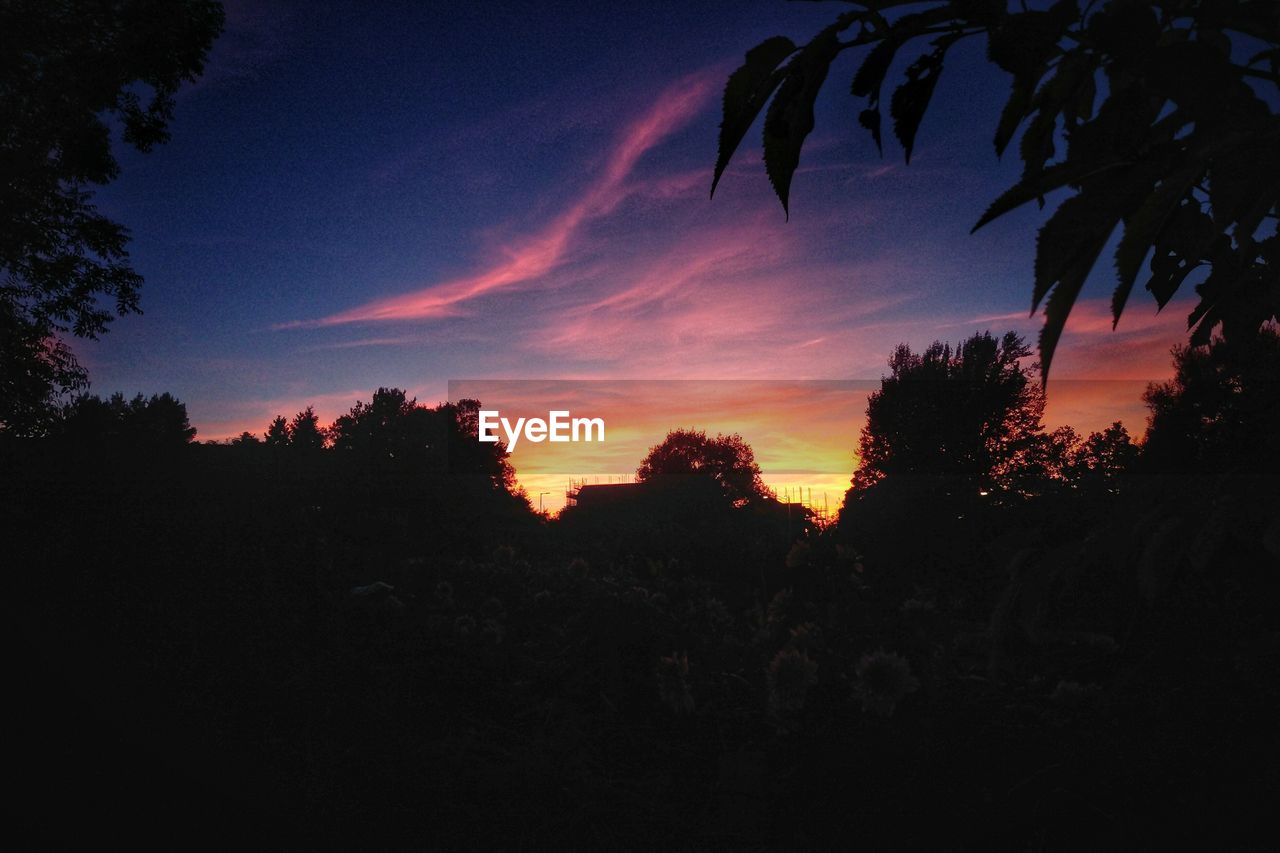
(1057, 310)
(1032, 187)
(790, 116)
(870, 76)
(1069, 244)
(1025, 41)
(1217, 291)
(1015, 110)
(1036, 147)
(1179, 248)
(746, 93)
(1142, 229)
(911, 99)
(870, 119)
(1081, 225)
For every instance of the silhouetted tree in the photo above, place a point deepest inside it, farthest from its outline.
(395, 432)
(1064, 459)
(466, 453)
(305, 432)
(1182, 151)
(73, 71)
(380, 429)
(35, 369)
(971, 413)
(725, 459)
(245, 439)
(1103, 457)
(277, 434)
(1221, 410)
(156, 422)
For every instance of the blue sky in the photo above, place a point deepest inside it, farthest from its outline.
(358, 195)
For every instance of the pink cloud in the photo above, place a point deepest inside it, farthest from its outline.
(532, 257)
(739, 302)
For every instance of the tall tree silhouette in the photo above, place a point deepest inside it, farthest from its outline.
(1181, 152)
(277, 434)
(972, 412)
(305, 432)
(1221, 410)
(71, 72)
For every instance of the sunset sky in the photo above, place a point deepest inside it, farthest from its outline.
(359, 196)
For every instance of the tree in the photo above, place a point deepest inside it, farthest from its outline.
(393, 430)
(72, 72)
(1221, 410)
(277, 434)
(305, 432)
(1104, 456)
(970, 413)
(467, 454)
(726, 460)
(151, 423)
(34, 370)
(1182, 154)
(379, 429)
(245, 439)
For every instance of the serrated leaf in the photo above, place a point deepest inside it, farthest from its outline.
(1015, 110)
(1058, 308)
(1081, 226)
(1142, 229)
(745, 95)
(1036, 147)
(1225, 278)
(1032, 187)
(790, 116)
(1179, 248)
(870, 76)
(870, 119)
(911, 99)
(1069, 244)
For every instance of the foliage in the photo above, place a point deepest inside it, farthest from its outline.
(395, 436)
(72, 71)
(1181, 152)
(155, 422)
(277, 434)
(1220, 413)
(426, 647)
(727, 460)
(1103, 457)
(305, 432)
(34, 369)
(972, 413)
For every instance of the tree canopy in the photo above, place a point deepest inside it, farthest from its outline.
(1156, 117)
(1220, 413)
(725, 459)
(155, 422)
(71, 72)
(393, 431)
(972, 412)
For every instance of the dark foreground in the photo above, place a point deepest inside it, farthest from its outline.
(195, 663)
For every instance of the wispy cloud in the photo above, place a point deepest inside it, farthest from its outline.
(530, 257)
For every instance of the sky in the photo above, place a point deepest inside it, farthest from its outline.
(364, 195)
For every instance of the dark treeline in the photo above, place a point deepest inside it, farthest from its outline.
(1010, 638)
